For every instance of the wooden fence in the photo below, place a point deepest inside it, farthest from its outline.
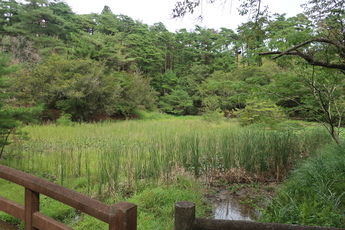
(120, 216)
(185, 220)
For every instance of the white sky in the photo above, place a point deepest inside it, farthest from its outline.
(151, 11)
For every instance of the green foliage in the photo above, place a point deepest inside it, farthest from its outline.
(141, 152)
(156, 205)
(11, 122)
(178, 102)
(11, 118)
(108, 49)
(13, 192)
(136, 92)
(83, 88)
(287, 32)
(212, 112)
(222, 90)
(202, 62)
(65, 119)
(313, 93)
(152, 115)
(111, 160)
(259, 111)
(46, 25)
(55, 209)
(314, 193)
(216, 115)
(199, 70)
(78, 87)
(166, 82)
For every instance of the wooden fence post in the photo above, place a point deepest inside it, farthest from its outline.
(32, 204)
(184, 215)
(124, 216)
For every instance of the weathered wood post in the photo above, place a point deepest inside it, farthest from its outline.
(184, 215)
(124, 216)
(32, 204)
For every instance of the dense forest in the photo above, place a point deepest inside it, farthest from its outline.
(104, 65)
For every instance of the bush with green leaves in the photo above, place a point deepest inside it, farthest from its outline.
(260, 111)
(178, 102)
(136, 92)
(212, 112)
(65, 119)
(83, 88)
(79, 87)
(216, 115)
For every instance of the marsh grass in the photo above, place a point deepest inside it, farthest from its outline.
(113, 161)
(127, 155)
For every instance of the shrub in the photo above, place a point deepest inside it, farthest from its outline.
(178, 102)
(65, 119)
(213, 116)
(259, 111)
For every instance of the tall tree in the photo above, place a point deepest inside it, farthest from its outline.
(107, 22)
(326, 48)
(8, 9)
(80, 87)
(320, 46)
(7, 124)
(183, 7)
(252, 36)
(11, 118)
(46, 24)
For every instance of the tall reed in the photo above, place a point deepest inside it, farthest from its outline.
(125, 156)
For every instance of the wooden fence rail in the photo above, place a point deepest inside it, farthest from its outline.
(185, 220)
(120, 216)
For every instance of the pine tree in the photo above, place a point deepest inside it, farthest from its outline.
(11, 118)
(7, 123)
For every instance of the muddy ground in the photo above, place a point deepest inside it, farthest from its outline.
(240, 201)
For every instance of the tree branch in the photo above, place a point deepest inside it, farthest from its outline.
(311, 60)
(308, 58)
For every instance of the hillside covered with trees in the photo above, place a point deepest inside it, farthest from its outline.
(96, 65)
(61, 71)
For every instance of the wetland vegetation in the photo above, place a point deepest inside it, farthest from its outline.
(156, 162)
(201, 110)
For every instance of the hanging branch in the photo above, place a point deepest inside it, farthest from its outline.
(188, 6)
(310, 59)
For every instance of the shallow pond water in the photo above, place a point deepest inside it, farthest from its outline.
(230, 207)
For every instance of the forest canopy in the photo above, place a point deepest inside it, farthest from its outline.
(110, 65)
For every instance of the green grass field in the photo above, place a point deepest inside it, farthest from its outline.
(114, 161)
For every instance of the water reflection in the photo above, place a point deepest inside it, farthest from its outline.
(230, 207)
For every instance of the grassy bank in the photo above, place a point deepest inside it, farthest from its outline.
(115, 161)
(314, 193)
